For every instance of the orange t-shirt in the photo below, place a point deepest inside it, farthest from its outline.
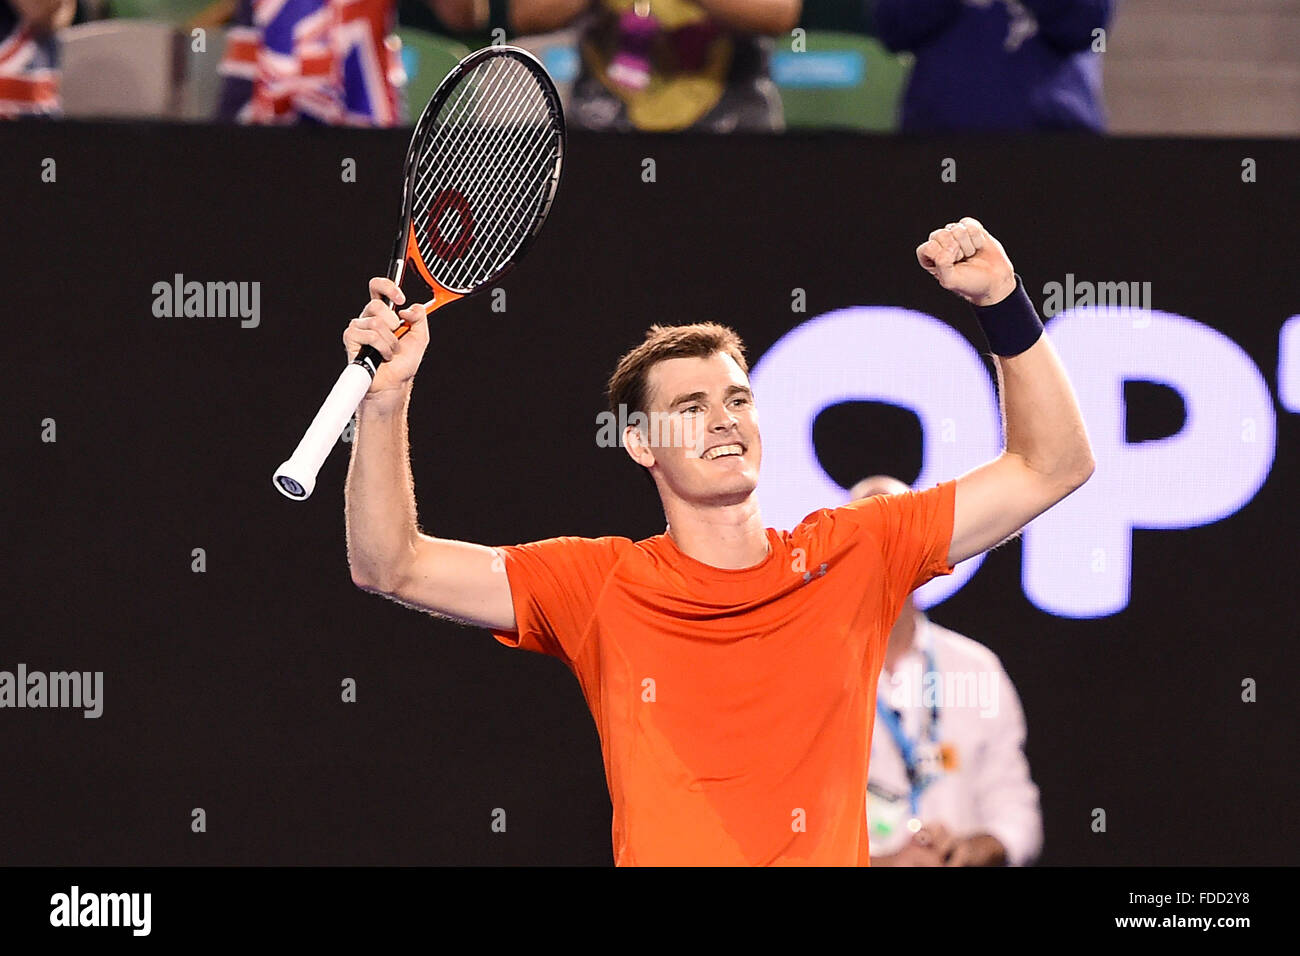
(734, 707)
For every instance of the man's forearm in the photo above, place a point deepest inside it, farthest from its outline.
(46, 16)
(379, 496)
(756, 16)
(1044, 426)
(543, 16)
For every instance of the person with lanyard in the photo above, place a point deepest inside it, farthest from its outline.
(669, 65)
(948, 782)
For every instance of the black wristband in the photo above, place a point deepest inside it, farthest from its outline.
(498, 15)
(1012, 325)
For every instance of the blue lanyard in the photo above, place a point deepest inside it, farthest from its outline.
(907, 747)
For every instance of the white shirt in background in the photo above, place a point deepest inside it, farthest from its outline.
(986, 787)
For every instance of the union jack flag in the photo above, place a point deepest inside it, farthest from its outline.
(324, 61)
(29, 75)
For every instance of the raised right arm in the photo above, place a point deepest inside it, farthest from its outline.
(387, 552)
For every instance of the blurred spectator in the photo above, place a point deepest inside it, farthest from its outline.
(948, 782)
(470, 21)
(29, 55)
(662, 65)
(460, 16)
(846, 16)
(998, 64)
(316, 61)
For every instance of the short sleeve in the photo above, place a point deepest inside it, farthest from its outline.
(554, 584)
(914, 532)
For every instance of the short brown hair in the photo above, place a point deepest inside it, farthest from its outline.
(627, 386)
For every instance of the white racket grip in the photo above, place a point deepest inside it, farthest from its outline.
(296, 478)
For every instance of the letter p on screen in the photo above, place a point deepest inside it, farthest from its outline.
(1078, 556)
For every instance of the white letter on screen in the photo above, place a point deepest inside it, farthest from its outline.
(1077, 556)
(871, 354)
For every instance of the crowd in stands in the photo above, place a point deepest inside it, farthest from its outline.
(652, 65)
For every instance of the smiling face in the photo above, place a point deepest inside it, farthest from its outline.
(704, 445)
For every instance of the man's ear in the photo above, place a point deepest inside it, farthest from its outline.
(638, 449)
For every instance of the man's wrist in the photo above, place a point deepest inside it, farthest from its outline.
(386, 402)
(999, 292)
(1010, 324)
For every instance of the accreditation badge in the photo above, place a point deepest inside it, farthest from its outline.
(888, 814)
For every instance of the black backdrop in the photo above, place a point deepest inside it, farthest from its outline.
(222, 688)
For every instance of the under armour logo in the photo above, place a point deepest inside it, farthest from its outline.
(808, 575)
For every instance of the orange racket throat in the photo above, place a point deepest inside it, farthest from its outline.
(441, 294)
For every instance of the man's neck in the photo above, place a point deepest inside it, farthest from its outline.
(731, 537)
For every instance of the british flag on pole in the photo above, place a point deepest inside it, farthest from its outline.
(29, 76)
(323, 61)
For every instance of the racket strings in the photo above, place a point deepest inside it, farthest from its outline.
(485, 175)
(490, 157)
(452, 118)
(492, 190)
(472, 150)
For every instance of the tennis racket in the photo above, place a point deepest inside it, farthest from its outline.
(481, 171)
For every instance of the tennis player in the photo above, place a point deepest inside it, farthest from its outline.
(731, 668)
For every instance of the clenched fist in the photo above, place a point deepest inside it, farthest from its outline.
(968, 261)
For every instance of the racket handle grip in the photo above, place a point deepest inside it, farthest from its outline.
(369, 355)
(296, 478)
(369, 359)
